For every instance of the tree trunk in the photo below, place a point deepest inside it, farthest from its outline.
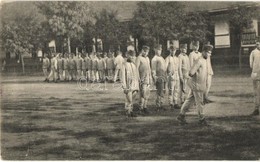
(69, 49)
(22, 61)
(239, 52)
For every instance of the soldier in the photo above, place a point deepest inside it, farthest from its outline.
(197, 83)
(78, 61)
(110, 67)
(101, 66)
(145, 78)
(195, 54)
(105, 71)
(209, 80)
(84, 66)
(173, 73)
(130, 82)
(88, 66)
(94, 67)
(66, 67)
(60, 67)
(255, 75)
(119, 60)
(72, 67)
(159, 75)
(184, 72)
(54, 68)
(45, 66)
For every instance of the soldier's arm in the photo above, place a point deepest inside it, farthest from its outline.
(154, 65)
(167, 64)
(123, 76)
(137, 63)
(191, 59)
(251, 59)
(180, 66)
(195, 68)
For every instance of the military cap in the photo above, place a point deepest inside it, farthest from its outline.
(131, 53)
(195, 43)
(183, 46)
(207, 47)
(145, 47)
(158, 46)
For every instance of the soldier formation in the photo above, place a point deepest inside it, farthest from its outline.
(187, 77)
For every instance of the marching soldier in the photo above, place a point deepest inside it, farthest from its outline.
(45, 66)
(209, 80)
(54, 68)
(173, 73)
(84, 66)
(130, 82)
(110, 66)
(60, 67)
(198, 81)
(72, 67)
(88, 65)
(255, 75)
(78, 61)
(101, 66)
(184, 72)
(66, 67)
(119, 60)
(145, 76)
(159, 75)
(94, 67)
(105, 70)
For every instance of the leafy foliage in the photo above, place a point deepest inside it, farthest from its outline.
(22, 28)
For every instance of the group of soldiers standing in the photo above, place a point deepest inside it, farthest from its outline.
(187, 77)
(95, 67)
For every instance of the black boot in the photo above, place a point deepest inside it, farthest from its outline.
(255, 112)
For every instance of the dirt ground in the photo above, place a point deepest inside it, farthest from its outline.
(62, 121)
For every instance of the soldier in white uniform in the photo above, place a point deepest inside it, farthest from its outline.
(45, 66)
(130, 82)
(54, 68)
(119, 60)
(60, 67)
(173, 74)
(197, 83)
(184, 72)
(66, 67)
(145, 78)
(255, 65)
(159, 75)
(110, 67)
(209, 80)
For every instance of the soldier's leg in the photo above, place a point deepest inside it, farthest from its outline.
(188, 103)
(160, 93)
(61, 74)
(51, 74)
(45, 73)
(256, 85)
(209, 80)
(176, 93)
(199, 103)
(141, 96)
(146, 95)
(170, 89)
(129, 103)
(116, 75)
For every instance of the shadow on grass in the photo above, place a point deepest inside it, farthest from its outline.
(22, 128)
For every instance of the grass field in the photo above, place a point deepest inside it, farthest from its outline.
(48, 121)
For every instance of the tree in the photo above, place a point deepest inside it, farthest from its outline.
(240, 19)
(109, 29)
(22, 29)
(67, 19)
(195, 27)
(158, 21)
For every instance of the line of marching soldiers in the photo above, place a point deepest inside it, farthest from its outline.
(92, 67)
(188, 79)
